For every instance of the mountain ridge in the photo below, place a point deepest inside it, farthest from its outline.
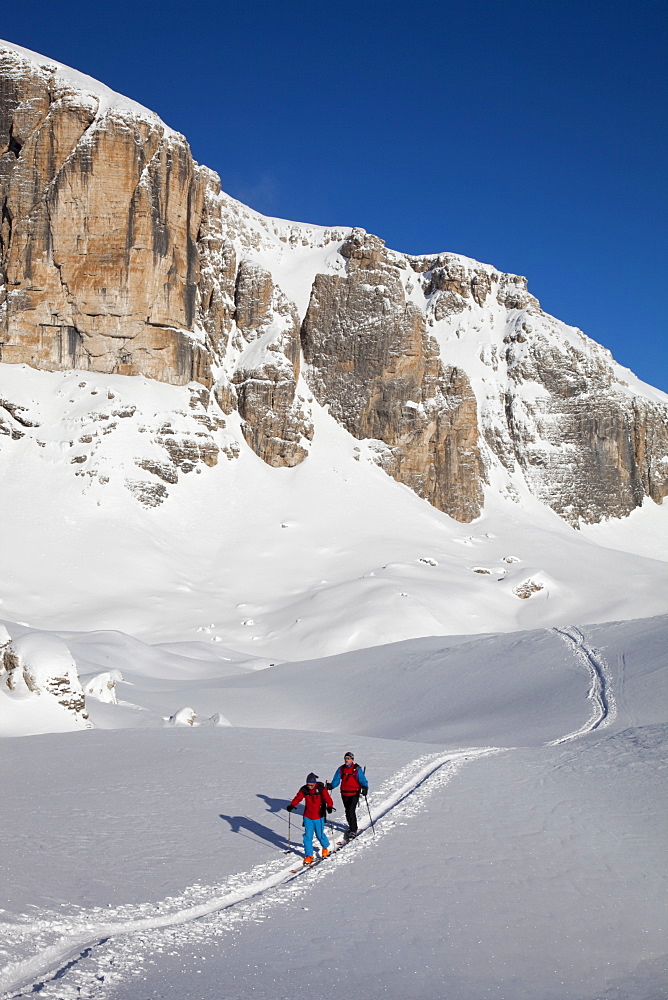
(122, 255)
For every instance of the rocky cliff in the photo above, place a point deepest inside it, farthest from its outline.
(119, 254)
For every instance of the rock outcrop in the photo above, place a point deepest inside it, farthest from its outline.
(372, 362)
(39, 665)
(275, 422)
(583, 444)
(101, 208)
(120, 255)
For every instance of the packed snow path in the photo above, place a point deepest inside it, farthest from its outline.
(92, 952)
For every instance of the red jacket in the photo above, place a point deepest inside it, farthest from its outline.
(315, 802)
(351, 777)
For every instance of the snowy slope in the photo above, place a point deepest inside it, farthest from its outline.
(138, 506)
(526, 860)
(288, 563)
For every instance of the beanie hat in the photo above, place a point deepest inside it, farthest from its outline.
(311, 778)
(349, 753)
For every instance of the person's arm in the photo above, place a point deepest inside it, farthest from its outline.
(297, 799)
(336, 780)
(328, 799)
(362, 778)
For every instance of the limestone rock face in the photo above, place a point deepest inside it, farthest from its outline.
(100, 214)
(456, 283)
(218, 263)
(119, 255)
(582, 443)
(370, 359)
(265, 377)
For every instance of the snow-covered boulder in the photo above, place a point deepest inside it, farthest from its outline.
(184, 717)
(39, 665)
(188, 717)
(216, 720)
(102, 686)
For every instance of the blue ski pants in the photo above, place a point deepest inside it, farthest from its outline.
(317, 827)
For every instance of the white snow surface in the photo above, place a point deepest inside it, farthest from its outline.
(518, 850)
(278, 563)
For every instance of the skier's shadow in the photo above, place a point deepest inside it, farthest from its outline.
(239, 824)
(273, 805)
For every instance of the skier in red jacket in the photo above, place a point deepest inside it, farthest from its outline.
(317, 802)
(353, 783)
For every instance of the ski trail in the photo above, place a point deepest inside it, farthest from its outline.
(79, 936)
(600, 693)
(248, 895)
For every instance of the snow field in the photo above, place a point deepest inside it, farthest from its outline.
(526, 868)
(535, 874)
(279, 563)
(85, 929)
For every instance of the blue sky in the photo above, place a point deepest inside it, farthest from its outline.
(528, 134)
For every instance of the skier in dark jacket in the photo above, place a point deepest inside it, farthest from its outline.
(317, 802)
(353, 784)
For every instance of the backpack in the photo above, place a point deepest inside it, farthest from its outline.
(319, 789)
(349, 777)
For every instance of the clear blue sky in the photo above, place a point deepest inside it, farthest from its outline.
(528, 134)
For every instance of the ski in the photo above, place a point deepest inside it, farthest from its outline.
(303, 868)
(316, 861)
(314, 864)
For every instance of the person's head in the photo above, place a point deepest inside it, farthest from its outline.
(348, 758)
(311, 779)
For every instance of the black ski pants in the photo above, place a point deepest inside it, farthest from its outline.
(350, 806)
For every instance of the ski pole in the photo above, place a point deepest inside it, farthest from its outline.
(371, 820)
(289, 836)
(368, 807)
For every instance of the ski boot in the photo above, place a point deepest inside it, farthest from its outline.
(325, 852)
(308, 860)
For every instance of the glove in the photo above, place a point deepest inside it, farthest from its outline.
(364, 791)
(289, 808)
(330, 809)
(328, 786)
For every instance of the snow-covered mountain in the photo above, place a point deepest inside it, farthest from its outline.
(228, 441)
(121, 255)
(284, 438)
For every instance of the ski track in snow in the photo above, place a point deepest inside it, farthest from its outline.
(97, 953)
(600, 693)
(85, 939)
